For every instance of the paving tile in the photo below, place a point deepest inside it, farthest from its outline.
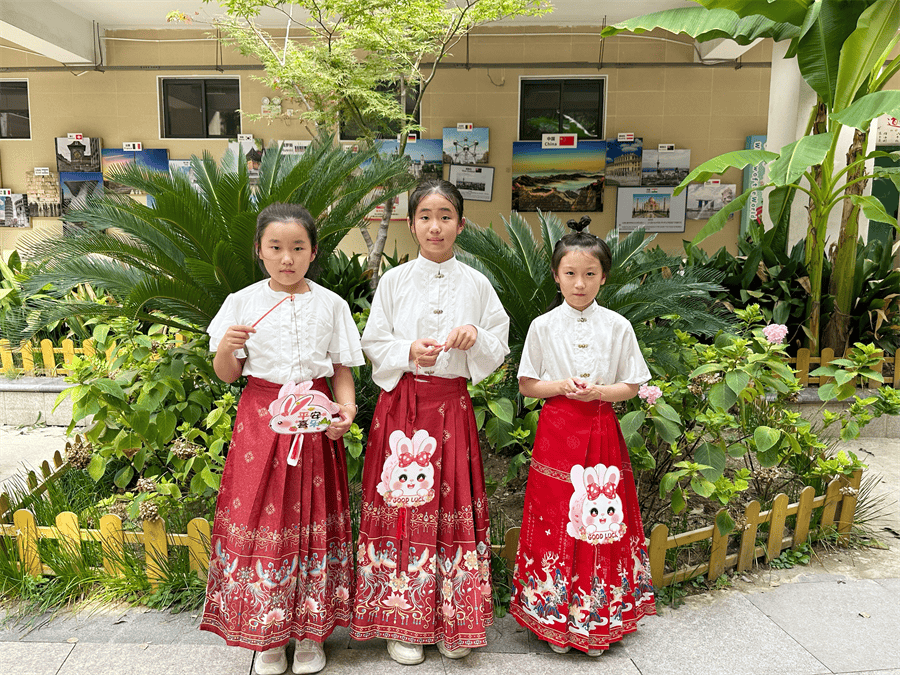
(506, 636)
(890, 584)
(370, 656)
(487, 663)
(851, 626)
(725, 634)
(137, 659)
(22, 659)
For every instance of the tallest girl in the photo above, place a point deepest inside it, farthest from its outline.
(423, 562)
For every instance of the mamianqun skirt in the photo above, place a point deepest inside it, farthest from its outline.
(423, 558)
(281, 546)
(582, 574)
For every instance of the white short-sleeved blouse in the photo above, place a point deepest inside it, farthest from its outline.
(425, 299)
(596, 345)
(301, 339)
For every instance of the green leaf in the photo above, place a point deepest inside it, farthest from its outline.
(503, 408)
(873, 209)
(632, 422)
(798, 157)
(765, 437)
(165, 427)
(678, 502)
(97, 467)
(123, 477)
(724, 523)
(705, 368)
(714, 457)
(721, 396)
(663, 409)
(737, 380)
(140, 421)
(786, 11)
(860, 114)
(719, 165)
(110, 387)
(668, 482)
(706, 24)
(861, 52)
(737, 450)
(720, 217)
(819, 49)
(702, 486)
(211, 479)
(101, 331)
(667, 430)
(498, 432)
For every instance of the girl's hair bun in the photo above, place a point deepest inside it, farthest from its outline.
(581, 224)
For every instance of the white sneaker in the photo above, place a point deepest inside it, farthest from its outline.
(309, 657)
(270, 662)
(458, 653)
(558, 649)
(595, 652)
(405, 653)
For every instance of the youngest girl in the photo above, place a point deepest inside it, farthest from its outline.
(582, 575)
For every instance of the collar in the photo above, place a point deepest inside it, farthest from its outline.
(275, 296)
(429, 267)
(570, 312)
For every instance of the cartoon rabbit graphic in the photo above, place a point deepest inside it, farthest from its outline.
(407, 478)
(299, 409)
(595, 509)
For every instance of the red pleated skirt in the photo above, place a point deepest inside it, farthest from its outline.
(281, 549)
(582, 574)
(423, 559)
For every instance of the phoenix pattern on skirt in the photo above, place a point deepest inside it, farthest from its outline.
(582, 574)
(281, 561)
(423, 559)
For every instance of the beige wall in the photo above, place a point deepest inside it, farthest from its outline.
(709, 110)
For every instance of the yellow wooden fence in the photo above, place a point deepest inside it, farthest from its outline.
(803, 364)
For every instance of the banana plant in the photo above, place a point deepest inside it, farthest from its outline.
(843, 52)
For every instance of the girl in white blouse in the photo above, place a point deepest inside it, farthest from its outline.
(582, 575)
(423, 559)
(281, 561)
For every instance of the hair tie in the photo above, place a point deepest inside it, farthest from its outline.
(581, 224)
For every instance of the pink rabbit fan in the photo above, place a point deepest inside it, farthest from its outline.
(300, 409)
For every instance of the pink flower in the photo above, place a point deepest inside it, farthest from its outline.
(775, 333)
(396, 601)
(649, 394)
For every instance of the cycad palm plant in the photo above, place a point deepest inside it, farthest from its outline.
(652, 289)
(174, 260)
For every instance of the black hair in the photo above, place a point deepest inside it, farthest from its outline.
(432, 186)
(279, 212)
(579, 240)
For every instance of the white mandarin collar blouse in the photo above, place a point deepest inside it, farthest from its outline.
(300, 339)
(425, 299)
(596, 345)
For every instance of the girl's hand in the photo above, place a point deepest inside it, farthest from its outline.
(586, 392)
(235, 338)
(461, 337)
(424, 352)
(338, 428)
(569, 386)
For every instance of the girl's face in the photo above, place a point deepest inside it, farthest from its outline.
(286, 253)
(580, 276)
(435, 227)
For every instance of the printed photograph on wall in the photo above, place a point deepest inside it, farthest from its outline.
(655, 209)
(623, 162)
(76, 187)
(474, 182)
(665, 168)
(558, 179)
(43, 195)
(399, 212)
(183, 167)
(14, 211)
(152, 159)
(77, 155)
(466, 147)
(704, 200)
(248, 151)
(424, 156)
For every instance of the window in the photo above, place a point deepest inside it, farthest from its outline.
(198, 108)
(573, 105)
(14, 119)
(351, 129)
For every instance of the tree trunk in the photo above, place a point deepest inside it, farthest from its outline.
(843, 270)
(815, 245)
(377, 250)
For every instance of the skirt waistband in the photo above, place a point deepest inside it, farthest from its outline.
(586, 408)
(319, 384)
(433, 385)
